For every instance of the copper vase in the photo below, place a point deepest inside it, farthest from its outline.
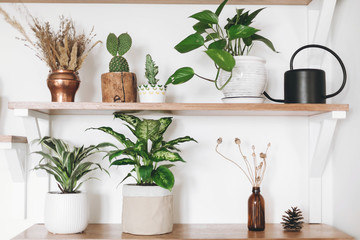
(63, 85)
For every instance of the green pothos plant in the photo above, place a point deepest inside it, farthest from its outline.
(221, 45)
(150, 155)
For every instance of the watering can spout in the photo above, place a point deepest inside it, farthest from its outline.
(272, 99)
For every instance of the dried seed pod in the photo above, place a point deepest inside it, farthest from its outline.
(219, 141)
(237, 141)
(262, 155)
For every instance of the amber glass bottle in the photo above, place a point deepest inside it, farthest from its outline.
(256, 211)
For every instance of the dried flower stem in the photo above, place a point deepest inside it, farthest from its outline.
(250, 180)
(256, 175)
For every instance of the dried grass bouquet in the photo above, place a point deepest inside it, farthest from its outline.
(255, 174)
(63, 49)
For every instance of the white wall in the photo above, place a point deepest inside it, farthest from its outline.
(346, 179)
(200, 195)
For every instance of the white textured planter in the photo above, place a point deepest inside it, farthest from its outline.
(149, 94)
(248, 80)
(66, 213)
(147, 210)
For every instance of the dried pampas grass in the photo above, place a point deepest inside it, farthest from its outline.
(63, 49)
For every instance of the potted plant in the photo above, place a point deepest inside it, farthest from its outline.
(66, 211)
(242, 78)
(151, 92)
(118, 85)
(64, 51)
(148, 204)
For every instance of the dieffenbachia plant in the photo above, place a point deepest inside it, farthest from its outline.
(149, 153)
(221, 45)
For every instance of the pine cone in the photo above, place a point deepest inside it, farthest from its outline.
(292, 222)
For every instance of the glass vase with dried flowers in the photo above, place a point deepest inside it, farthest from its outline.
(63, 50)
(255, 175)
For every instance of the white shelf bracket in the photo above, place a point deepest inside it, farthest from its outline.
(16, 158)
(320, 15)
(37, 125)
(321, 132)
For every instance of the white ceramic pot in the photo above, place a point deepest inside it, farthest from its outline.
(66, 213)
(149, 94)
(248, 80)
(147, 210)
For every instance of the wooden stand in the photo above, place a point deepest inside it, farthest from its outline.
(119, 87)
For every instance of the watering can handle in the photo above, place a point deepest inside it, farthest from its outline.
(334, 54)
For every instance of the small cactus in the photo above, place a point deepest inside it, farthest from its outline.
(151, 70)
(117, 47)
(118, 64)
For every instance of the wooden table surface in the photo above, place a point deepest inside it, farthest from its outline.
(191, 231)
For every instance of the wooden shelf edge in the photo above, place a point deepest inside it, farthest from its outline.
(192, 232)
(177, 106)
(232, 2)
(12, 139)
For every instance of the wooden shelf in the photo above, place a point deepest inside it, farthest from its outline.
(13, 139)
(190, 232)
(196, 109)
(234, 2)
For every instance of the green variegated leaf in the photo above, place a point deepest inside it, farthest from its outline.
(163, 177)
(181, 75)
(178, 140)
(190, 43)
(164, 124)
(145, 129)
(219, 44)
(130, 119)
(222, 58)
(145, 173)
(220, 8)
(268, 43)
(206, 16)
(201, 27)
(167, 165)
(166, 155)
(118, 136)
(124, 161)
(127, 176)
(241, 31)
(212, 36)
(252, 16)
(117, 153)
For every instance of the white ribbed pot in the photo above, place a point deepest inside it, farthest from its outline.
(248, 80)
(147, 210)
(149, 94)
(66, 213)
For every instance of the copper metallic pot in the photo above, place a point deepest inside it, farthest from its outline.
(63, 85)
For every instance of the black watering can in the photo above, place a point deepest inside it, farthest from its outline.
(307, 85)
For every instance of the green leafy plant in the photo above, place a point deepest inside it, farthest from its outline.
(236, 39)
(151, 70)
(67, 164)
(149, 150)
(117, 47)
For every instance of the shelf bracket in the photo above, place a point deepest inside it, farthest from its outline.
(321, 132)
(16, 156)
(37, 125)
(320, 15)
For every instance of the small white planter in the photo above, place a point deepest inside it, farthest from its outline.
(248, 80)
(149, 94)
(147, 210)
(66, 213)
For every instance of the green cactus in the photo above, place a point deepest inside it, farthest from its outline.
(112, 44)
(117, 47)
(124, 43)
(151, 70)
(118, 64)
